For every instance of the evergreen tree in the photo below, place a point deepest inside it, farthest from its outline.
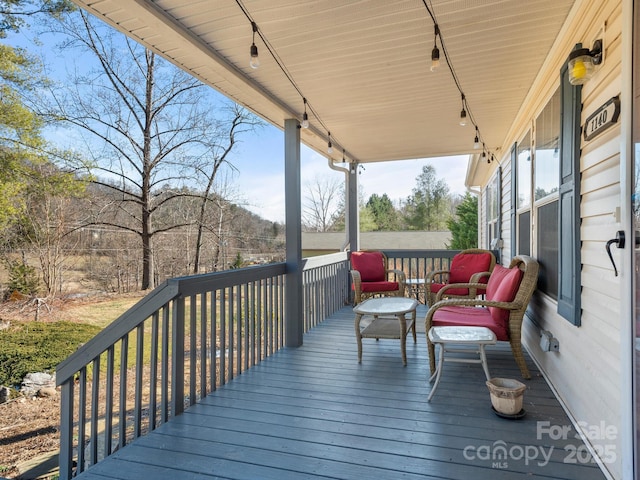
(427, 209)
(21, 142)
(464, 226)
(384, 213)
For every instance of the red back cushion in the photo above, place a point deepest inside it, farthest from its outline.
(464, 265)
(370, 265)
(502, 287)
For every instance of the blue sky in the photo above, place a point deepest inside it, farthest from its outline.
(259, 182)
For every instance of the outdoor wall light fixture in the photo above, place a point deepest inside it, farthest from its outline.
(582, 61)
(305, 117)
(254, 62)
(435, 53)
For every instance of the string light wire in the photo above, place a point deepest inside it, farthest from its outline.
(287, 74)
(332, 139)
(456, 80)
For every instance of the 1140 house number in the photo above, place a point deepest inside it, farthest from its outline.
(603, 118)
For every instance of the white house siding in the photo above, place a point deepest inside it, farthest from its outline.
(586, 372)
(483, 241)
(506, 209)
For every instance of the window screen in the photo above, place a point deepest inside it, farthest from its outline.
(547, 237)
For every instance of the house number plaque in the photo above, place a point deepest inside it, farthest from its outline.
(603, 118)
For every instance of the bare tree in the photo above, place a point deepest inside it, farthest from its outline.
(322, 203)
(148, 126)
(51, 213)
(241, 121)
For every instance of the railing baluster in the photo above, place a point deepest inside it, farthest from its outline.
(280, 315)
(203, 345)
(232, 324)
(239, 333)
(82, 419)
(251, 302)
(223, 336)
(108, 415)
(270, 319)
(164, 387)
(66, 430)
(137, 417)
(246, 333)
(153, 372)
(193, 350)
(124, 360)
(95, 417)
(259, 320)
(177, 357)
(214, 341)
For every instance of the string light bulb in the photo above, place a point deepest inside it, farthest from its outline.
(476, 140)
(463, 114)
(435, 53)
(254, 62)
(329, 145)
(305, 117)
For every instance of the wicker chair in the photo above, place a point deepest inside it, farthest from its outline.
(472, 266)
(507, 297)
(371, 277)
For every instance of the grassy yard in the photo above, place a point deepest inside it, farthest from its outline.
(30, 428)
(28, 346)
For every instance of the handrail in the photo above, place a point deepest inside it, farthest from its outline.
(154, 301)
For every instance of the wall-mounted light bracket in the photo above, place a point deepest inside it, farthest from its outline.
(581, 63)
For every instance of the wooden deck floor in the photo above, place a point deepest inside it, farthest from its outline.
(314, 412)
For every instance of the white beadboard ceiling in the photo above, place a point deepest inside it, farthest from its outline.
(363, 65)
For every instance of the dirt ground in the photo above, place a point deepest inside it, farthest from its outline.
(29, 427)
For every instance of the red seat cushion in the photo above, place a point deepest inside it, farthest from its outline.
(458, 316)
(370, 265)
(464, 265)
(502, 287)
(379, 286)
(436, 287)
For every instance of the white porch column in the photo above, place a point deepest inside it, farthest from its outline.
(293, 328)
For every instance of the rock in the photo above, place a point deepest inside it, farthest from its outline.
(33, 382)
(47, 392)
(5, 394)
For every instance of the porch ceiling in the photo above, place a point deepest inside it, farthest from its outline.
(363, 65)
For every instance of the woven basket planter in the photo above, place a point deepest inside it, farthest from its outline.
(507, 395)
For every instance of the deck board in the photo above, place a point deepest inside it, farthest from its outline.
(314, 412)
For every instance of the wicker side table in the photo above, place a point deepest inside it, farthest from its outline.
(384, 327)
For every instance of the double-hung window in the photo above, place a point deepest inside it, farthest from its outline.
(523, 195)
(494, 208)
(545, 186)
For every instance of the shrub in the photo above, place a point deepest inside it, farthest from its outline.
(39, 347)
(22, 278)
